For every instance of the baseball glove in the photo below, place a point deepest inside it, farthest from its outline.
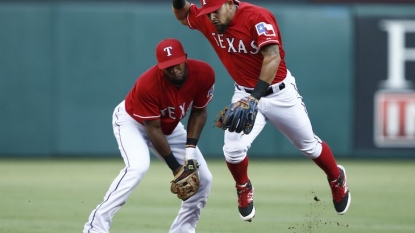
(186, 182)
(239, 116)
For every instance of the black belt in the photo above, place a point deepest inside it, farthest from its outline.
(268, 92)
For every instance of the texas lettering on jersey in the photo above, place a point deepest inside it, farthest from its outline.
(170, 112)
(234, 45)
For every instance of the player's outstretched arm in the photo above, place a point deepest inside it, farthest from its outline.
(181, 9)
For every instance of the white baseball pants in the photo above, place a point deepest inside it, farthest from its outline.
(286, 112)
(134, 146)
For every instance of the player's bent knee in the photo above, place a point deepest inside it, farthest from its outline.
(312, 151)
(206, 178)
(206, 183)
(235, 153)
(134, 175)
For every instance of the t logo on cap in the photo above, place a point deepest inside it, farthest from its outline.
(170, 52)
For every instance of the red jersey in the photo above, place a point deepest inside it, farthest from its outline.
(239, 47)
(155, 97)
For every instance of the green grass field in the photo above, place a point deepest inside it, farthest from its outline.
(56, 196)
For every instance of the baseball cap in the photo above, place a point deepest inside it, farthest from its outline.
(170, 52)
(209, 6)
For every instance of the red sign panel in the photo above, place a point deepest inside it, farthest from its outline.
(394, 119)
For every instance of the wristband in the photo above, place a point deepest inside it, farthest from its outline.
(191, 142)
(179, 4)
(171, 162)
(260, 89)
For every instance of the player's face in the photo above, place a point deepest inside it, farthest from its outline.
(221, 17)
(176, 74)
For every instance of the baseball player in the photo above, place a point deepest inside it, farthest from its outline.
(149, 119)
(247, 40)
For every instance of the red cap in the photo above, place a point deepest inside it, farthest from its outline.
(209, 6)
(170, 52)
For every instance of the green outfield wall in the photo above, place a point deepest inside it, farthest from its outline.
(65, 66)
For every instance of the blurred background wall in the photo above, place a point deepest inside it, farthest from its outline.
(65, 65)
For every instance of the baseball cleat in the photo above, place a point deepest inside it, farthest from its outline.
(246, 201)
(340, 192)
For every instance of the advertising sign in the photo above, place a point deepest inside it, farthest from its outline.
(385, 83)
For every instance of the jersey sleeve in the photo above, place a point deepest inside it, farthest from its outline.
(146, 105)
(194, 22)
(205, 94)
(265, 29)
